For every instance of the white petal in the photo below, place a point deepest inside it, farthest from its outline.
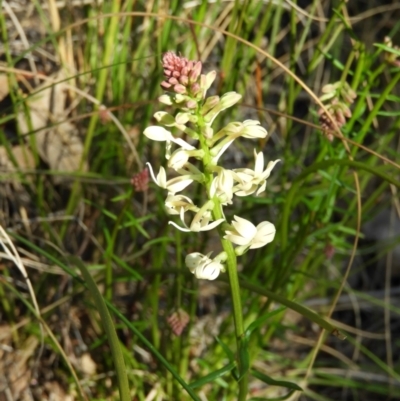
(152, 173)
(259, 165)
(269, 168)
(221, 151)
(244, 227)
(236, 239)
(212, 225)
(178, 159)
(258, 242)
(192, 260)
(162, 178)
(209, 271)
(157, 133)
(265, 228)
(262, 188)
(177, 184)
(186, 230)
(183, 144)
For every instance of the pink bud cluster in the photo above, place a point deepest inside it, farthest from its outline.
(140, 181)
(182, 75)
(337, 97)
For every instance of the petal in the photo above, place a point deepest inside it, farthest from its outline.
(209, 271)
(177, 184)
(212, 225)
(262, 188)
(260, 241)
(265, 228)
(178, 159)
(193, 259)
(221, 151)
(152, 173)
(162, 178)
(269, 168)
(259, 165)
(186, 230)
(244, 227)
(236, 239)
(183, 144)
(157, 133)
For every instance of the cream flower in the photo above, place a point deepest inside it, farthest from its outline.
(253, 179)
(175, 203)
(247, 235)
(203, 267)
(160, 134)
(222, 186)
(174, 185)
(201, 220)
(180, 157)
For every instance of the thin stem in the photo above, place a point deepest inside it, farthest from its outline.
(231, 265)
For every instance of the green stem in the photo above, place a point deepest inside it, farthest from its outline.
(231, 265)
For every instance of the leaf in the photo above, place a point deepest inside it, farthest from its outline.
(56, 139)
(283, 398)
(272, 382)
(213, 376)
(244, 358)
(226, 349)
(109, 328)
(261, 320)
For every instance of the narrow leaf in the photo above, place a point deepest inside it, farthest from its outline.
(272, 382)
(109, 328)
(213, 376)
(261, 320)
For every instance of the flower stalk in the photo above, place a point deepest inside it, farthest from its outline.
(195, 114)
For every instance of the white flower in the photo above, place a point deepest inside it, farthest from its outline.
(201, 220)
(252, 179)
(180, 157)
(222, 186)
(203, 267)
(160, 134)
(174, 185)
(252, 129)
(247, 235)
(227, 100)
(175, 203)
(247, 129)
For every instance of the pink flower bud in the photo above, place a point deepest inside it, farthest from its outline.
(195, 72)
(165, 84)
(179, 89)
(184, 80)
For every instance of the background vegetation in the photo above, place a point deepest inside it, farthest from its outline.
(79, 82)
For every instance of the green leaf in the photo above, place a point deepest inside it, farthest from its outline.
(284, 397)
(304, 311)
(387, 48)
(226, 349)
(244, 357)
(153, 350)
(272, 382)
(261, 320)
(213, 376)
(109, 328)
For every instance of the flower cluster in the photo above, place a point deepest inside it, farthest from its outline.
(392, 54)
(193, 119)
(337, 97)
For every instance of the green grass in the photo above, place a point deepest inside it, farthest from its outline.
(320, 197)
